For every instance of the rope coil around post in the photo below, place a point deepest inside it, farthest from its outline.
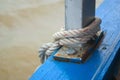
(70, 38)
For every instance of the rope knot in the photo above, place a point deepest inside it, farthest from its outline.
(70, 38)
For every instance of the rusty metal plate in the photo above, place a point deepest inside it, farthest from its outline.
(82, 55)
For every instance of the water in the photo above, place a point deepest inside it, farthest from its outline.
(24, 27)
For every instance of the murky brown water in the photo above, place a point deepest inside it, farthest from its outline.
(24, 26)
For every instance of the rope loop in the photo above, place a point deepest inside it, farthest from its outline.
(70, 38)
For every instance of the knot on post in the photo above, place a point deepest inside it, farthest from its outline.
(71, 39)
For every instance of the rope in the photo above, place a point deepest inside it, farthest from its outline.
(70, 38)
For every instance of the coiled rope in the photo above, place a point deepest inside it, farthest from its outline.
(70, 38)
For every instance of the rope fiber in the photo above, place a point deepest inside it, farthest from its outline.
(70, 38)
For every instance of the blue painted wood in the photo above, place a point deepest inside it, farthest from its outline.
(98, 65)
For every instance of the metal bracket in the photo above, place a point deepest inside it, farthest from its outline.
(82, 55)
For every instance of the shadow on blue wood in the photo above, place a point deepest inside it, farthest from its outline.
(101, 63)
